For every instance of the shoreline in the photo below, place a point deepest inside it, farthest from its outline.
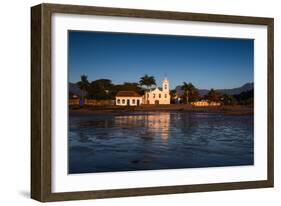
(226, 110)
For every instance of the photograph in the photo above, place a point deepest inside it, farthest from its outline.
(153, 101)
(133, 102)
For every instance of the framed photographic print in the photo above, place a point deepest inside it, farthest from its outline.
(132, 102)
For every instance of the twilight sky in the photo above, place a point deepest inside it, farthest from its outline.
(218, 63)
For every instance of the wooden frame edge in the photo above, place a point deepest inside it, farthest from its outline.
(270, 91)
(158, 14)
(83, 195)
(36, 58)
(41, 101)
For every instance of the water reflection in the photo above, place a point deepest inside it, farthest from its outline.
(158, 140)
(152, 124)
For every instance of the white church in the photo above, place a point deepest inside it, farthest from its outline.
(154, 96)
(157, 95)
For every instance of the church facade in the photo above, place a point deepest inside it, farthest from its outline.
(158, 96)
(154, 96)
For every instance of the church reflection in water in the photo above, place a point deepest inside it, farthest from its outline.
(153, 125)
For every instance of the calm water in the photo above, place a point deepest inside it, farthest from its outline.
(158, 140)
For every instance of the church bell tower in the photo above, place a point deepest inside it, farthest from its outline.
(165, 85)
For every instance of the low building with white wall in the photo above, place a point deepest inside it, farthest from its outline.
(128, 98)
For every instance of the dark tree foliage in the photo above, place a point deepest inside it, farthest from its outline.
(245, 98)
(103, 89)
(191, 93)
(213, 96)
(128, 86)
(100, 89)
(147, 81)
(194, 96)
(228, 99)
(173, 94)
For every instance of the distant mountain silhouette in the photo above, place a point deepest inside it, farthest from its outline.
(246, 87)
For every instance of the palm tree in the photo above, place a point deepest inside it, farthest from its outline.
(83, 85)
(147, 81)
(190, 92)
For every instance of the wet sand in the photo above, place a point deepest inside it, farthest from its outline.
(121, 139)
(227, 110)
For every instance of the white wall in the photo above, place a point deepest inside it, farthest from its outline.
(131, 101)
(15, 88)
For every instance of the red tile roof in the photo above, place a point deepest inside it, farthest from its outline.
(127, 94)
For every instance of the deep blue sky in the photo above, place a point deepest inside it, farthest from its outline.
(206, 62)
